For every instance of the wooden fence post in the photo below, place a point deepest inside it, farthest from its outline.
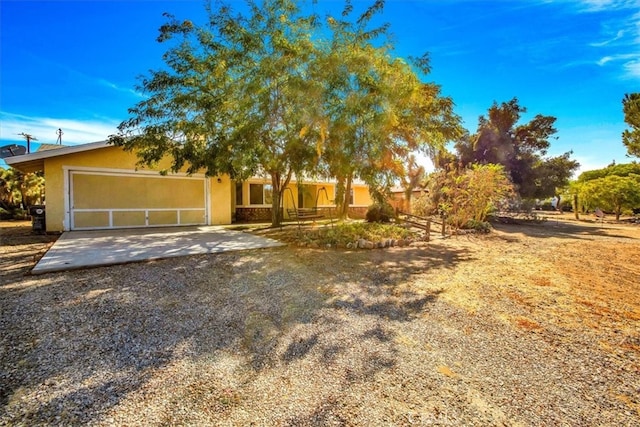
(428, 230)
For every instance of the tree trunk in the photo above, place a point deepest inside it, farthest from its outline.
(275, 208)
(339, 196)
(278, 186)
(407, 199)
(347, 192)
(575, 206)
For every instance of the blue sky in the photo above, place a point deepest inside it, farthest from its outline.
(74, 64)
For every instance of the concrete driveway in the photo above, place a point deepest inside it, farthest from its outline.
(80, 249)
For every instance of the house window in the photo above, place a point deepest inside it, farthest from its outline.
(239, 201)
(260, 194)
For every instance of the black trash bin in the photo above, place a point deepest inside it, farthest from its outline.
(38, 223)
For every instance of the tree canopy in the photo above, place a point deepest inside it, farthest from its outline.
(620, 169)
(378, 110)
(235, 97)
(19, 190)
(265, 92)
(631, 137)
(520, 149)
(615, 188)
(612, 193)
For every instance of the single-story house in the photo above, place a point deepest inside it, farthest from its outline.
(98, 186)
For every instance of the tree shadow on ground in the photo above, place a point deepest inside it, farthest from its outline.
(559, 229)
(90, 338)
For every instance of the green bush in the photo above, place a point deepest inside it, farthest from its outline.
(5, 214)
(348, 232)
(380, 213)
(13, 213)
(479, 226)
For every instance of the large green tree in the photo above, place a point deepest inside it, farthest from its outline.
(261, 92)
(377, 108)
(520, 149)
(631, 137)
(234, 98)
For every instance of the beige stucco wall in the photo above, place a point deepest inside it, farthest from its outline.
(361, 196)
(116, 159)
(221, 202)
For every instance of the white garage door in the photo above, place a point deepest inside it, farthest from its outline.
(103, 200)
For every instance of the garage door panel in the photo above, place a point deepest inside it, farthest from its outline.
(113, 200)
(163, 217)
(192, 217)
(130, 192)
(91, 219)
(129, 219)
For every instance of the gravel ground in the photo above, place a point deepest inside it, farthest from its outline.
(528, 326)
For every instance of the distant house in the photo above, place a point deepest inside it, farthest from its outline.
(399, 201)
(98, 186)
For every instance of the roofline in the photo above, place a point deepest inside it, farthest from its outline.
(41, 155)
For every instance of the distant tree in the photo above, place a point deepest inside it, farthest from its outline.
(611, 193)
(446, 160)
(601, 187)
(520, 149)
(631, 137)
(553, 176)
(620, 169)
(20, 190)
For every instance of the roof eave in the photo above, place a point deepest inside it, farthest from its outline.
(34, 162)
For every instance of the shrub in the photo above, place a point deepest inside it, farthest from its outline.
(380, 213)
(348, 232)
(5, 214)
(479, 226)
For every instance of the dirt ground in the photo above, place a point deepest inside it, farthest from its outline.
(532, 324)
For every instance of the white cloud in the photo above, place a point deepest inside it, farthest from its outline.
(621, 47)
(114, 86)
(618, 36)
(600, 5)
(611, 58)
(604, 60)
(631, 64)
(44, 129)
(632, 68)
